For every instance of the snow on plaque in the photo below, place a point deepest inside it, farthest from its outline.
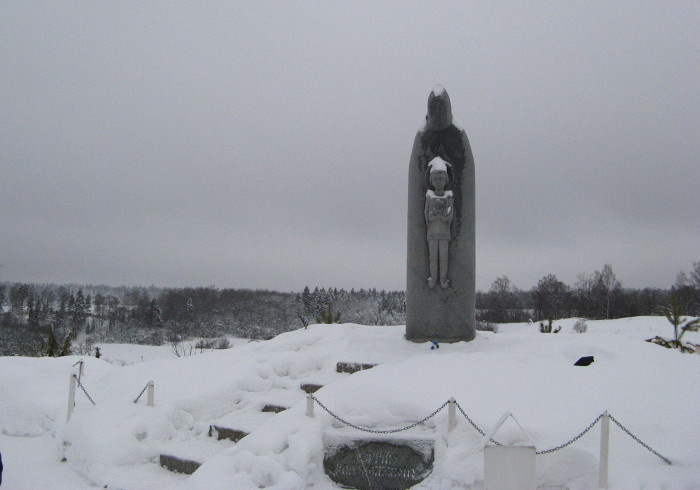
(379, 464)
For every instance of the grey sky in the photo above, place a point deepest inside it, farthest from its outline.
(266, 145)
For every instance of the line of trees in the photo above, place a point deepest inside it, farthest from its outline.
(48, 319)
(598, 295)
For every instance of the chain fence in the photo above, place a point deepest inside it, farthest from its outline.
(80, 385)
(480, 431)
(375, 431)
(142, 392)
(80, 371)
(666, 460)
(574, 439)
(474, 425)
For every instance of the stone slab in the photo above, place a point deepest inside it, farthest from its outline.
(179, 465)
(365, 464)
(221, 433)
(352, 367)
(273, 408)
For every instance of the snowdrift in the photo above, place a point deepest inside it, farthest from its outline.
(652, 391)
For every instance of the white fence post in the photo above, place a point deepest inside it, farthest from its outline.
(310, 405)
(452, 418)
(604, 451)
(151, 389)
(71, 396)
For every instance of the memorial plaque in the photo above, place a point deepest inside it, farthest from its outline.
(379, 464)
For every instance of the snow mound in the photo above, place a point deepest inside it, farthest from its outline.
(649, 389)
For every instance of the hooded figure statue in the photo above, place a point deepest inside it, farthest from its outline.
(445, 313)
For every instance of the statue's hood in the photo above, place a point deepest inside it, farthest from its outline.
(439, 109)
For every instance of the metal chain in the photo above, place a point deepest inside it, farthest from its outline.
(474, 425)
(142, 392)
(546, 451)
(562, 446)
(666, 460)
(80, 371)
(375, 431)
(84, 390)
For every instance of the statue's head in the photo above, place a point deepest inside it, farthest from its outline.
(439, 177)
(439, 180)
(439, 109)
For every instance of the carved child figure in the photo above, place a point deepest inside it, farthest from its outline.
(439, 209)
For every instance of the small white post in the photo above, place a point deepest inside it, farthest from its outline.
(310, 405)
(509, 467)
(604, 450)
(452, 418)
(151, 389)
(71, 396)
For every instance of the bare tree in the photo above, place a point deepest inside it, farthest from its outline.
(503, 301)
(585, 291)
(552, 298)
(695, 275)
(609, 285)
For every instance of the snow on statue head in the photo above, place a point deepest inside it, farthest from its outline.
(437, 164)
(439, 174)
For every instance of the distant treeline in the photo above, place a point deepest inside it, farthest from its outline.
(47, 319)
(598, 295)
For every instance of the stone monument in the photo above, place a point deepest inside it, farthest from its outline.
(441, 265)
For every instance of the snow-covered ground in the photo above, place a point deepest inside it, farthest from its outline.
(651, 390)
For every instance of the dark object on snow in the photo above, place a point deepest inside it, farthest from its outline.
(179, 465)
(273, 408)
(352, 367)
(399, 465)
(310, 388)
(435, 345)
(584, 361)
(220, 433)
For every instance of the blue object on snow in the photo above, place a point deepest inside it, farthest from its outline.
(435, 345)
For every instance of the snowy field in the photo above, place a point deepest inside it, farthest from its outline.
(652, 391)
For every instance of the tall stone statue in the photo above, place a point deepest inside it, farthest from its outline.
(441, 265)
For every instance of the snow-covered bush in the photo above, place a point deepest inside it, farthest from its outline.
(580, 326)
(223, 343)
(483, 326)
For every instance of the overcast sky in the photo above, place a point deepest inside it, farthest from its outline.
(266, 144)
